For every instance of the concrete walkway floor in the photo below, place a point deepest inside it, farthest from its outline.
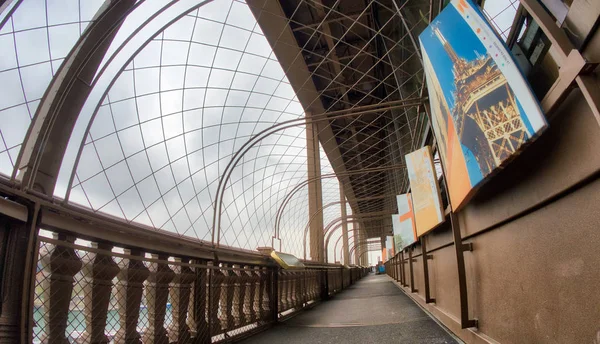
(373, 310)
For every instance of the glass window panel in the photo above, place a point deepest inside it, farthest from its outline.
(220, 78)
(193, 98)
(174, 53)
(89, 164)
(227, 59)
(131, 203)
(32, 46)
(30, 14)
(243, 81)
(212, 117)
(201, 55)
(215, 97)
(196, 76)
(186, 190)
(62, 39)
(237, 98)
(12, 94)
(78, 196)
(131, 140)
(252, 64)
(158, 156)
(146, 81)
(171, 102)
(181, 221)
(180, 170)
(8, 59)
(158, 213)
(216, 11)
(119, 177)
(264, 85)
(192, 120)
(14, 123)
(149, 56)
(35, 80)
(173, 125)
(148, 108)
(241, 16)
(103, 123)
(173, 201)
(181, 29)
(100, 189)
(171, 78)
(148, 191)
(165, 180)
(109, 150)
(139, 166)
(123, 87)
(234, 38)
(259, 45)
(124, 113)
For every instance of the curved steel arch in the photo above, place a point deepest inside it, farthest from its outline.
(312, 217)
(352, 217)
(122, 68)
(62, 93)
(218, 204)
(332, 230)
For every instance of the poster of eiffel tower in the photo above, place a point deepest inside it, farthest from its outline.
(483, 110)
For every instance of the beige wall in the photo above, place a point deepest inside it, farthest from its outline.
(534, 273)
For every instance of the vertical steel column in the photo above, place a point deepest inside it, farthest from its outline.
(410, 267)
(315, 199)
(346, 248)
(425, 257)
(460, 248)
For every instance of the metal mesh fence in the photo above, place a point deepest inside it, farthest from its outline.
(95, 293)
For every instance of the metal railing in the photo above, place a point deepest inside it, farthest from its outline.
(92, 292)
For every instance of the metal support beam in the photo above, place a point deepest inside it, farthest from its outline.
(346, 256)
(425, 257)
(315, 196)
(465, 321)
(44, 146)
(411, 270)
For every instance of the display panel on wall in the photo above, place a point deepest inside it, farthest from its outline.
(403, 223)
(389, 246)
(427, 203)
(482, 108)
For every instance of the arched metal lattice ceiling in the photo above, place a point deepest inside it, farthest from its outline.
(185, 84)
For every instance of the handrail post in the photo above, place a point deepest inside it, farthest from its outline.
(425, 257)
(459, 248)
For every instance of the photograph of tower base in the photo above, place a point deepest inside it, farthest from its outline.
(483, 111)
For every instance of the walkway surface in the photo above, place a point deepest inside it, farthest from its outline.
(373, 310)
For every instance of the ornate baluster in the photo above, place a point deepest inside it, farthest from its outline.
(281, 291)
(241, 296)
(181, 286)
(236, 302)
(98, 271)
(300, 291)
(292, 289)
(197, 311)
(215, 298)
(226, 299)
(249, 299)
(157, 295)
(266, 298)
(258, 294)
(61, 263)
(130, 284)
